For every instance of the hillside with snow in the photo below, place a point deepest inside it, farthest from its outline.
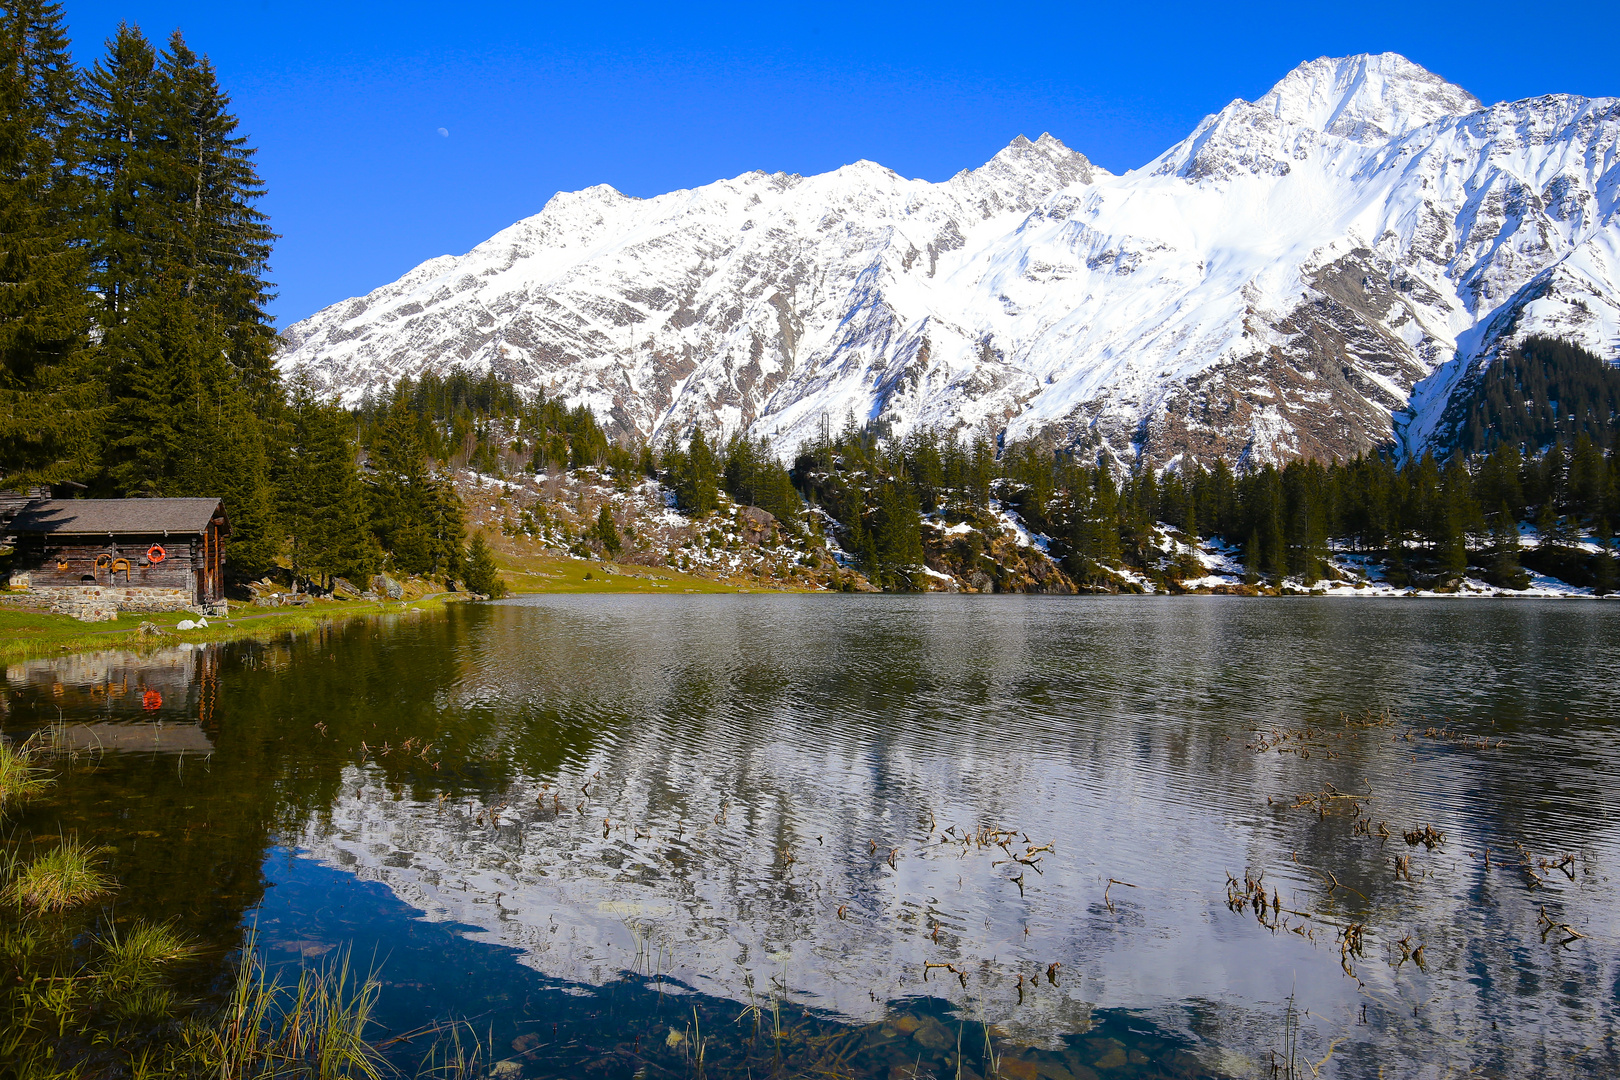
(1314, 273)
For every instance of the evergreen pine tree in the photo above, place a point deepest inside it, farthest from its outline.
(220, 242)
(51, 396)
(448, 529)
(855, 540)
(224, 455)
(1546, 527)
(321, 502)
(697, 485)
(130, 236)
(159, 365)
(481, 574)
(897, 536)
(401, 492)
(1505, 571)
(1252, 558)
(1453, 546)
(606, 533)
(187, 420)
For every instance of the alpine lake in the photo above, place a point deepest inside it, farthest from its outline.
(888, 836)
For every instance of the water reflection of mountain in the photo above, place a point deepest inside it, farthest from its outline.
(758, 760)
(733, 821)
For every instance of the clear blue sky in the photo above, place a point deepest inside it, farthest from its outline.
(345, 102)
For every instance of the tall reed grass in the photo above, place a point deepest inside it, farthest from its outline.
(314, 1029)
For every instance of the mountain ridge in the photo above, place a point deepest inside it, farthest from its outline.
(1315, 273)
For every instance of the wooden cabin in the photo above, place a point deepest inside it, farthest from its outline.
(137, 554)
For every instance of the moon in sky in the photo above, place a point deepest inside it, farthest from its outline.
(445, 132)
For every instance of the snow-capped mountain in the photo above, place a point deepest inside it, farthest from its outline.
(1312, 273)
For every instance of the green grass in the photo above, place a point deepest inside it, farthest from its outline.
(19, 779)
(62, 878)
(37, 633)
(558, 574)
(30, 633)
(130, 957)
(316, 1028)
(130, 976)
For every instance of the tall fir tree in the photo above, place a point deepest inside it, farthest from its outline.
(129, 235)
(696, 479)
(415, 515)
(221, 244)
(177, 257)
(399, 482)
(159, 371)
(1504, 569)
(896, 534)
(481, 573)
(605, 533)
(322, 504)
(52, 401)
(183, 426)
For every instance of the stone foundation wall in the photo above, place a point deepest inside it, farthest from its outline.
(100, 603)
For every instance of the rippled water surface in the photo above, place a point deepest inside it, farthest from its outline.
(846, 836)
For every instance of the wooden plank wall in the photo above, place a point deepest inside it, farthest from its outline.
(43, 557)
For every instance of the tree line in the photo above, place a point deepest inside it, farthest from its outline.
(1543, 392)
(1426, 519)
(1429, 520)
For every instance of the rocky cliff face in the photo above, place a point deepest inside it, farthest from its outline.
(1314, 273)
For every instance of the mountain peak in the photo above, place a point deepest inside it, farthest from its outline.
(1048, 148)
(1368, 97)
(1023, 173)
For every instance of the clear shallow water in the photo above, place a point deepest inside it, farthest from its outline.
(590, 820)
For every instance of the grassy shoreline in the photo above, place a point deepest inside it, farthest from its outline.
(26, 634)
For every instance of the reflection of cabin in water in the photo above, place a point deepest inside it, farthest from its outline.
(122, 554)
(162, 702)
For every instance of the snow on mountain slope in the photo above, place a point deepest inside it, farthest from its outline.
(1313, 273)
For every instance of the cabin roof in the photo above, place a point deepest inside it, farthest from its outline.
(100, 517)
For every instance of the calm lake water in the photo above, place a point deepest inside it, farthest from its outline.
(611, 830)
